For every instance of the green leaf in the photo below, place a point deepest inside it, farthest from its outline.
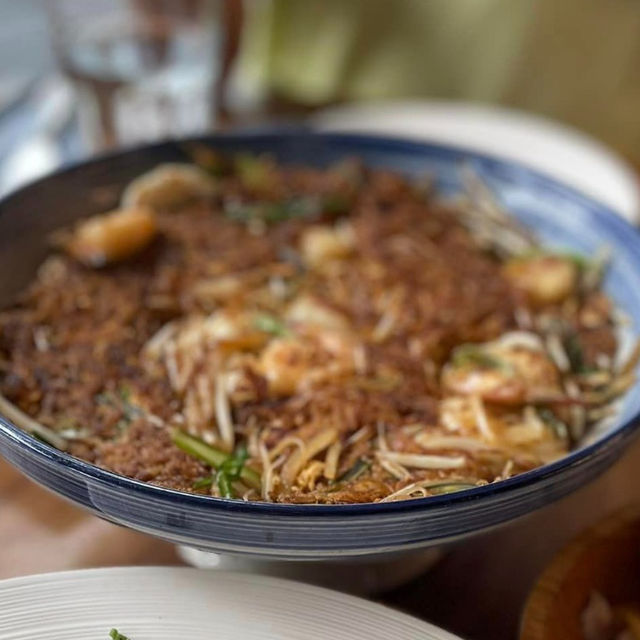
(580, 261)
(471, 354)
(104, 398)
(299, 207)
(203, 483)
(361, 465)
(575, 353)
(198, 449)
(233, 465)
(554, 423)
(50, 437)
(224, 485)
(255, 172)
(216, 458)
(114, 634)
(120, 400)
(449, 487)
(123, 424)
(270, 324)
(231, 470)
(336, 204)
(124, 391)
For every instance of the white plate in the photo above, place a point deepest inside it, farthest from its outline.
(157, 603)
(566, 154)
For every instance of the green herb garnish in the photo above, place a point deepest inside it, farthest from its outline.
(554, 423)
(231, 470)
(361, 465)
(300, 207)
(579, 260)
(270, 324)
(121, 401)
(203, 483)
(255, 172)
(378, 383)
(471, 354)
(124, 392)
(291, 256)
(449, 487)
(216, 459)
(198, 449)
(224, 486)
(51, 438)
(336, 204)
(104, 398)
(574, 351)
(123, 424)
(233, 465)
(114, 634)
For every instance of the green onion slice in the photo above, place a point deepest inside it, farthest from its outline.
(216, 458)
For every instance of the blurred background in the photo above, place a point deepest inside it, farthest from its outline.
(553, 84)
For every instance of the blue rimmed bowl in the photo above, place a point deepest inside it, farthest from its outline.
(561, 217)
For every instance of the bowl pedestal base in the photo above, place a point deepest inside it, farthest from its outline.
(364, 577)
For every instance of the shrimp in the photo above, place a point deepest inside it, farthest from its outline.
(169, 186)
(294, 362)
(516, 431)
(544, 279)
(112, 237)
(234, 331)
(501, 373)
(310, 312)
(322, 243)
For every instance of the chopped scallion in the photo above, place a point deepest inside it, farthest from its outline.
(361, 465)
(269, 324)
(554, 423)
(255, 172)
(470, 354)
(301, 207)
(574, 351)
(336, 204)
(203, 483)
(230, 470)
(224, 485)
(448, 487)
(216, 458)
(124, 392)
(198, 449)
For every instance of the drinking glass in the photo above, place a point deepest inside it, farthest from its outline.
(143, 69)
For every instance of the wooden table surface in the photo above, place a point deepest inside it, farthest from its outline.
(477, 590)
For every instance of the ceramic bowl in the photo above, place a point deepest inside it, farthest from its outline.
(561, 216)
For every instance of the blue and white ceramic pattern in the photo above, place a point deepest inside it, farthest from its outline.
(561, 216)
